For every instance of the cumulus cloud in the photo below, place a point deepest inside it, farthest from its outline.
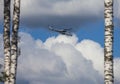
(61, 60)
(85, 47)
(55, 61)
(117, 70)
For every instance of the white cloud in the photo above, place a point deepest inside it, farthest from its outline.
(92, 51)
(56, 61)
(117, 69)
(61, 60)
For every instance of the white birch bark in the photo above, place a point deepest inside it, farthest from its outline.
(108, 52)
(14, 42)
(6, 37)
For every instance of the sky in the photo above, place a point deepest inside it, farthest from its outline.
(48, 57)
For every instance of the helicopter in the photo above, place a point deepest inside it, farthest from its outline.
(62, 31)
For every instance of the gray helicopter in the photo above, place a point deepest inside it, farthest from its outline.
(62, 31)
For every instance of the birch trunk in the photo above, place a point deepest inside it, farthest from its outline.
(6, 37)
(14, 43)
(108, 52)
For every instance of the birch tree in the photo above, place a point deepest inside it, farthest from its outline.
(14, 42)
(108, 52)
(6, 36)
